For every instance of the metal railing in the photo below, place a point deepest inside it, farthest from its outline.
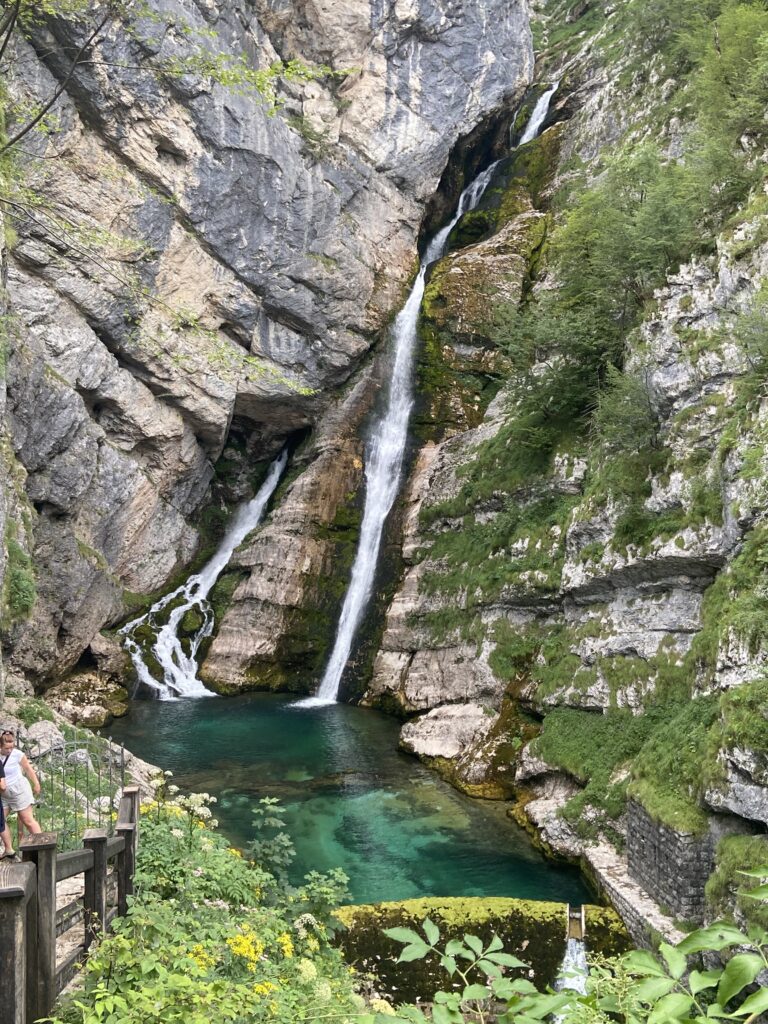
(80, 783)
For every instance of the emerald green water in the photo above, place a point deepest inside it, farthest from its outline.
(352, 800)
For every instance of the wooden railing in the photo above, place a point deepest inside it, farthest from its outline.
(32, 974)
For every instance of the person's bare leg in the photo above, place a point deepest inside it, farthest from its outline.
(5, 836)
(27, 821)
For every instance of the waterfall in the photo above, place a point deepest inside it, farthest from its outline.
(180, 669)
(386, 448)
(539, 113)
(574, 968)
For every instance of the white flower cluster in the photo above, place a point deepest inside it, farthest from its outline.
(304, 924)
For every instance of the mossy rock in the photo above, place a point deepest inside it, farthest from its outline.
(191, 621)
(94, 698)
(530, 929)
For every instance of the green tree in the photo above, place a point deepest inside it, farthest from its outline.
(625, 419)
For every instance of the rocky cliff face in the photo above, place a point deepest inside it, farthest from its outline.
(187, 259)
(550, 605)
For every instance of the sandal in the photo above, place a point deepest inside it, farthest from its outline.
(9, 855)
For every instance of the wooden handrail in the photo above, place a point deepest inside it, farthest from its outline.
(30, 923)
(73, 862)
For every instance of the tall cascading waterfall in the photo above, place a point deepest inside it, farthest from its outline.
(179, 668)
(386, 449)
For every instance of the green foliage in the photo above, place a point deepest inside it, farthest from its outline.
(744, 717)
(728, 888)
(593, 748)
(20, 590)
(735, 606)
(618, 241)
(31, 709)
(669, 772)
(625, 419)
(669, 27)
(484, 557)
(272, 847)
(201, 942)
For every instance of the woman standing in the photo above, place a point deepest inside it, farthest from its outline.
(19, 773)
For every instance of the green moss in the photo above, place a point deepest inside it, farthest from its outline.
(96, 558)
(471, 228)
(531, 930)
(220, 596)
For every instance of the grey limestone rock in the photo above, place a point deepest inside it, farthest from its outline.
(744, 790)
(200, 258)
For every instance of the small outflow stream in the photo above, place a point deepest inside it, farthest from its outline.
(386, 449)
(179, 667)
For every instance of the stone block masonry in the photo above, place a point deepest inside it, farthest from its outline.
(671, 866)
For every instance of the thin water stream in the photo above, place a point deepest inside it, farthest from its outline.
(386, 448)
(179, 667)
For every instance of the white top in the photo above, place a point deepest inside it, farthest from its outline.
(13, 765)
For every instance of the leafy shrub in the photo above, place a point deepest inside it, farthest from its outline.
(212, 936)
(20, 593)
(637, 988)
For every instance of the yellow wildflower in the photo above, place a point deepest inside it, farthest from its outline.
(246, 946)
(202, 957)
(285, 942)
(312, 944)
(233, 852)
(263, 988)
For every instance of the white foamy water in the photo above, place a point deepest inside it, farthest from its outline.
(540, 111)
(179, 668)
(386, 449)
(574, 968)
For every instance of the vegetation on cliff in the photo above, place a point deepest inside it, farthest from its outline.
(675, 179)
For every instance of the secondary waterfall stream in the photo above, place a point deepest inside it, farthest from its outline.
(179, 667)
(386, 449)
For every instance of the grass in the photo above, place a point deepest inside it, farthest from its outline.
(20, 589)
(595, 750)
(668, 773)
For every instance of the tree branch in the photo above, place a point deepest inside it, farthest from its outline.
(7, 23)
(47, 106)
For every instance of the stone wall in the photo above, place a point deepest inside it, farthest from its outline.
(672, 866)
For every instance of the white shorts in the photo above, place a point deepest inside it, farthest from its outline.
(17, 796)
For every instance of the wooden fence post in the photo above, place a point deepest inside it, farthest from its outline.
(40, 851)
(18, 919)
(133, 795)
(127, 827)
(95, 896)
(126, 865)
